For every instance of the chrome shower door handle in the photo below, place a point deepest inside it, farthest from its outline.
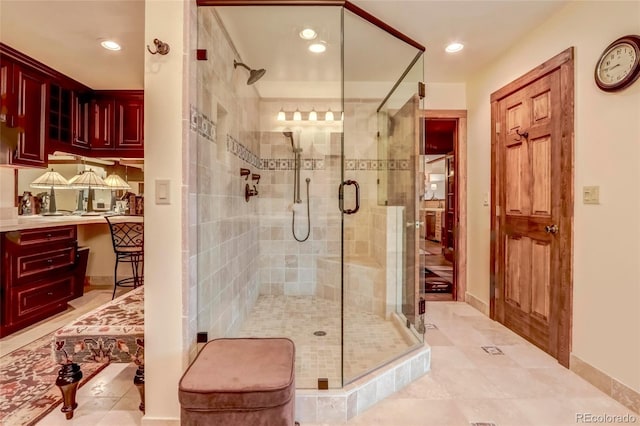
(341, 197)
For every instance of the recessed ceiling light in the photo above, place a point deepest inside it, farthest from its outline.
(454, 47)
(318, 47)
(308, 34)
(110, 45)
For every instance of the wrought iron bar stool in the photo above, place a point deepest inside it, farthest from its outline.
(128, 246)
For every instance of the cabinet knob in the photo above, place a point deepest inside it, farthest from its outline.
(48, 235)
(49, 261)
(50, 293)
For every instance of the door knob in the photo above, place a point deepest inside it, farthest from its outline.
(415, 224)
(551, 229)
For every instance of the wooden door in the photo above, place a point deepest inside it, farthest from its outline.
(533, 203)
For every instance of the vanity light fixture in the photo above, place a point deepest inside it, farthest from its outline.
(454, 47)
(318, 47)
(308, 34)
(328, 115)
(312, 115)
(110, 45)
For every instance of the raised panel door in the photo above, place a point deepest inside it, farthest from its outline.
(102, 115)
(81, 129)
(8, 100)
(129, 124)
(31, 120)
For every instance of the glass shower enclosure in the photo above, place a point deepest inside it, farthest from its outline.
(306, 170)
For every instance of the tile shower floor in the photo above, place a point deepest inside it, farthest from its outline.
(523, 386)
(369, 339)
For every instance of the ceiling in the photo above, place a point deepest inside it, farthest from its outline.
(65, 35)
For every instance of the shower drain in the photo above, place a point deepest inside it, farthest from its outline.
(320, 333)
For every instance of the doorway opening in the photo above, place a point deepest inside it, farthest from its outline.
(440, 205)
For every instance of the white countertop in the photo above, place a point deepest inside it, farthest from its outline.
(37, 221)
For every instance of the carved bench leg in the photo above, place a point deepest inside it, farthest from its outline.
(138, 380)
(69, 376)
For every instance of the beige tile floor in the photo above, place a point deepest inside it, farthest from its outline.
(521, 387)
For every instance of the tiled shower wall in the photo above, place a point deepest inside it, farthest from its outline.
(290, 267)
(225, 117)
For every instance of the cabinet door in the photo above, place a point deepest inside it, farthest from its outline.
(60, 114)
(129, 124)
(102, 114)
(31, 120)
(8, 100)
(81, 130)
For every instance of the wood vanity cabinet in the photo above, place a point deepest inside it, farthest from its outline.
(38, 275)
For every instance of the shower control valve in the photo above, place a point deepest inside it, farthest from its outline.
(248, 192)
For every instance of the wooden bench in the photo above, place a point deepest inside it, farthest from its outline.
(113, 332)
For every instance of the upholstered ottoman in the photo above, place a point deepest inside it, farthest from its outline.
(240, 382)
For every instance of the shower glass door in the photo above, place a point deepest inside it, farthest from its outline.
(381, 74)
(301, 217)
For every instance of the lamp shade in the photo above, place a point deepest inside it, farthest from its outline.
(49, 180)
(116, 182)
(88, 179)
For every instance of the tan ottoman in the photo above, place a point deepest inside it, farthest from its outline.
(240, 382)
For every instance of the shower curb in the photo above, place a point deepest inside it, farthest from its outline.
(340, 405)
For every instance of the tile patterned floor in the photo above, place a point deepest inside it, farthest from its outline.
(369, 339)
(522, 387)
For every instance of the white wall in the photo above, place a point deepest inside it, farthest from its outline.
(166, 259)
(445, 95)
(606, 296)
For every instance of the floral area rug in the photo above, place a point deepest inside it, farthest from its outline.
(27, 383)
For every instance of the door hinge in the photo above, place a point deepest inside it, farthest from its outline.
(498, 127)
(422, 90)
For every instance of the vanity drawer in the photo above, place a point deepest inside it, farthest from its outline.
(41, 299)
(27, 265)
(32, 237)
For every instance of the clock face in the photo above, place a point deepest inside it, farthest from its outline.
(619, 65)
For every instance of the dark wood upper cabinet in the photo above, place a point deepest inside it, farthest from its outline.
(51, 112)
(118, 122)
(102, 120)
(60, 113)
(31, 119)
(8, 97)
(130, 122)
(81, 118)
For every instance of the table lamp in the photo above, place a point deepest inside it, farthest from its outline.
(89, 180)
(115, 182)
(51, 180)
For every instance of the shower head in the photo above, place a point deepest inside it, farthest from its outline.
(288, 134)
(254, 75)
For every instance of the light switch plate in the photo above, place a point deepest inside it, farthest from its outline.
(591, 195)
(163, 191)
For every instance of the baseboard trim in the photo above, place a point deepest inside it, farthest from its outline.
(477, 303)
(607, 384)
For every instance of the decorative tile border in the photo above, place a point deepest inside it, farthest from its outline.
(373, 165)
(289, 163)
(242, 152)
(205, 127)
(201, 124)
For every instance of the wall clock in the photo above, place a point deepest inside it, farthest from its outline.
(619, 64)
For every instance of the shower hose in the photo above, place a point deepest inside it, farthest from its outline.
(293, 219)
